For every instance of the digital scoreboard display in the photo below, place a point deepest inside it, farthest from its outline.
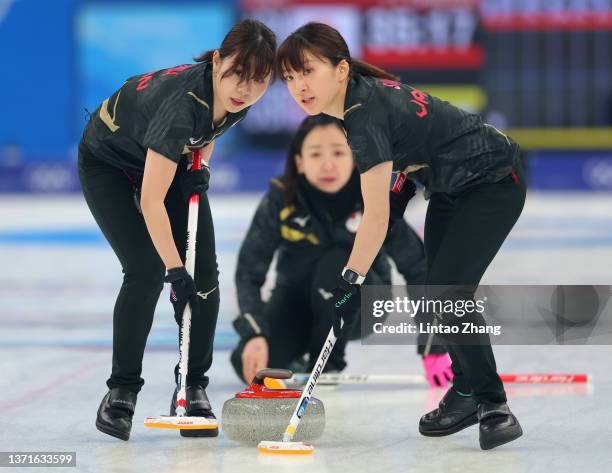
(528, 63)
(422, 41)
(423, 35)
(548, 62)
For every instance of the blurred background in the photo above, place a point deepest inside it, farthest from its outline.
(539, 69)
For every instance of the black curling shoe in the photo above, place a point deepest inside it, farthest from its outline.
(115, 413)
(455, 413)
(198, 405)
(497, 425)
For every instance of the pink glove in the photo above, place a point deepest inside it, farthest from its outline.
(438, 370)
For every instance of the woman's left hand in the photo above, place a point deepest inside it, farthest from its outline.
(346, 302)
(254, 357)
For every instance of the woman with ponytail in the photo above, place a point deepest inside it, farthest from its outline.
(134, 172)
(472, 176)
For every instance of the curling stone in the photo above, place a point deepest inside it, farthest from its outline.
(260, 413)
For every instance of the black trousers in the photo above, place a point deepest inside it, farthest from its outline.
(300, 318)
(109, 193)
(463, 233)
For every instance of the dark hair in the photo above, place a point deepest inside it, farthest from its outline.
(324, 42)
(254, 45)
(290, 175)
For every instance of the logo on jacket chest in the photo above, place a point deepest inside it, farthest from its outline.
(353, 221)
(301, 221)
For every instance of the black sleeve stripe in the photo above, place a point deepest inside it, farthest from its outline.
(160, 123)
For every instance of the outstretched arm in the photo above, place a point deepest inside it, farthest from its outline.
(158, 174)
(373, 227)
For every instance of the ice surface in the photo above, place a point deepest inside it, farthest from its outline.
(57, 288)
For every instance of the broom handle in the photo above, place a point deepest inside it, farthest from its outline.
(345, 378)
(192, 228)
(310, 385)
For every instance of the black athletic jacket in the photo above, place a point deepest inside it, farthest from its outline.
(445, 148)
(169, 111)
(301, 234)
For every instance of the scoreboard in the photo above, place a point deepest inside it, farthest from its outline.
(548, 62)
(525, 65)
(433, 42)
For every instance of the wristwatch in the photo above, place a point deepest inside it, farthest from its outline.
(352, 277)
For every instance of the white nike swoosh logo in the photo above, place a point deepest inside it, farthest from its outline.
(301, 221)
(204, 295)
(193, 142)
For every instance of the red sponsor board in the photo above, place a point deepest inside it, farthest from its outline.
(546, 15)
(427, 57)
(549, 21)
(418, 4)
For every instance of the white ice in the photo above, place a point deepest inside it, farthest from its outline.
(56, 302)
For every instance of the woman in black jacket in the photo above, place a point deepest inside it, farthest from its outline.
(472, 174)
(310, 217)
(133, 168)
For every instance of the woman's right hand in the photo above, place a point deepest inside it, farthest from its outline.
(254, 357)
(183, 292)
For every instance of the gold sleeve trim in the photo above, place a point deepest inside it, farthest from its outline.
(277, 182)
(294, 235)
(106, 117)
(284, 214)
(415, 167)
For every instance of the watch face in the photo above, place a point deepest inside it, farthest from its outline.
(350, 276)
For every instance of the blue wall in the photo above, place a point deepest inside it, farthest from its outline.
(36, 79)
(61, 56)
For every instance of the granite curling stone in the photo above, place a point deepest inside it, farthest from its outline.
(260, 413)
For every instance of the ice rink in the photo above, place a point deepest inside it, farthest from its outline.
(58, 284)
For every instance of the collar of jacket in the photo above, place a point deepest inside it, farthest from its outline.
(358, 92)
